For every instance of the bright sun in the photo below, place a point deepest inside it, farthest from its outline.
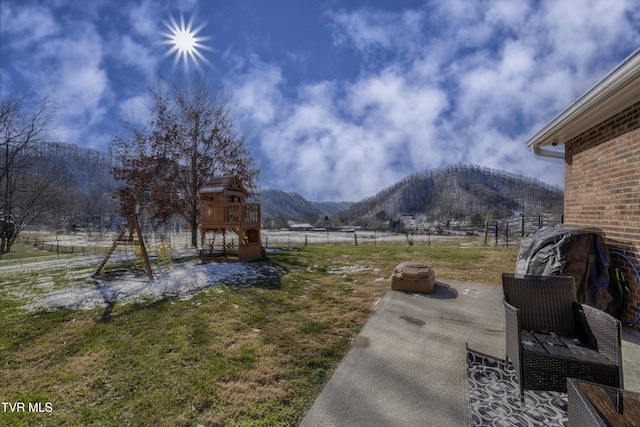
(185, 42)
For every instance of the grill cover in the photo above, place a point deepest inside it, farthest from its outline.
(578, 252)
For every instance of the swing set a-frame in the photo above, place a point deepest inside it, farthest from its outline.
(223, 207)
(134, 237)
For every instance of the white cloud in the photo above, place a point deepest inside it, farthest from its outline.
(78, 80)
(187, 5)
(135, 109)
(367, 29)
(133, 53)
(342, 145)
(144, 19)
(256, 94)
(465, 82)
(68, 67)
(401, 115)
(28, 24)
(446, 82)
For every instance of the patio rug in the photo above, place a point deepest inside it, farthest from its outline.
(493, 397)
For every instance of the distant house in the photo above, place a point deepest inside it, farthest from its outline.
(600, 133)
(407, 219)
(300, 227)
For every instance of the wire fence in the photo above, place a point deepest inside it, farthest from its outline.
(98, 242)
(510, 231)
(503, 233)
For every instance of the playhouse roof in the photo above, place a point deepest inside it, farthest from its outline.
(220, 184)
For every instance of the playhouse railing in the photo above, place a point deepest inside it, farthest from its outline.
(234, 215)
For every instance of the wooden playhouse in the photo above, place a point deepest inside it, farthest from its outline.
(223, 208)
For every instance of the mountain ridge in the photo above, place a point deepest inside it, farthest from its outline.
(450, 193)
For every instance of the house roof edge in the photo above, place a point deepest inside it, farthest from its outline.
(617, 90)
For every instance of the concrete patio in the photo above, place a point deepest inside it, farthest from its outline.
(406, 368)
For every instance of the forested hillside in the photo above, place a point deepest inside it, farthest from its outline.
(456, 193)
(81, 187)
(85, 175)
(278, 207)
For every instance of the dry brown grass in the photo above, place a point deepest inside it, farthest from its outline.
(229, 356)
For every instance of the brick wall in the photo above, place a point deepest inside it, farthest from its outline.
(602, 189)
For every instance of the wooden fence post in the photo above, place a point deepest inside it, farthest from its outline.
(486, 232)
(507, 233)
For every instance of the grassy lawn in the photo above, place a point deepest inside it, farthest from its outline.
(21, 252)
(228, 356)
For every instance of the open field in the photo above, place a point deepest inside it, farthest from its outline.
(221, 344)
(98, 243)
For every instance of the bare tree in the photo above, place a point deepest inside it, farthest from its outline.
(24, 181)
(191, 137)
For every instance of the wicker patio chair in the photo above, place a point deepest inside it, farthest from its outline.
(550, 336)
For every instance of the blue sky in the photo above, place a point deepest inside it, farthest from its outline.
(338, 99)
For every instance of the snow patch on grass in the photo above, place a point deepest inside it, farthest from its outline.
(82, 291)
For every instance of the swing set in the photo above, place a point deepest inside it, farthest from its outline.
(223, 207)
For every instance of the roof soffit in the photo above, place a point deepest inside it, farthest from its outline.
(616, 91)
